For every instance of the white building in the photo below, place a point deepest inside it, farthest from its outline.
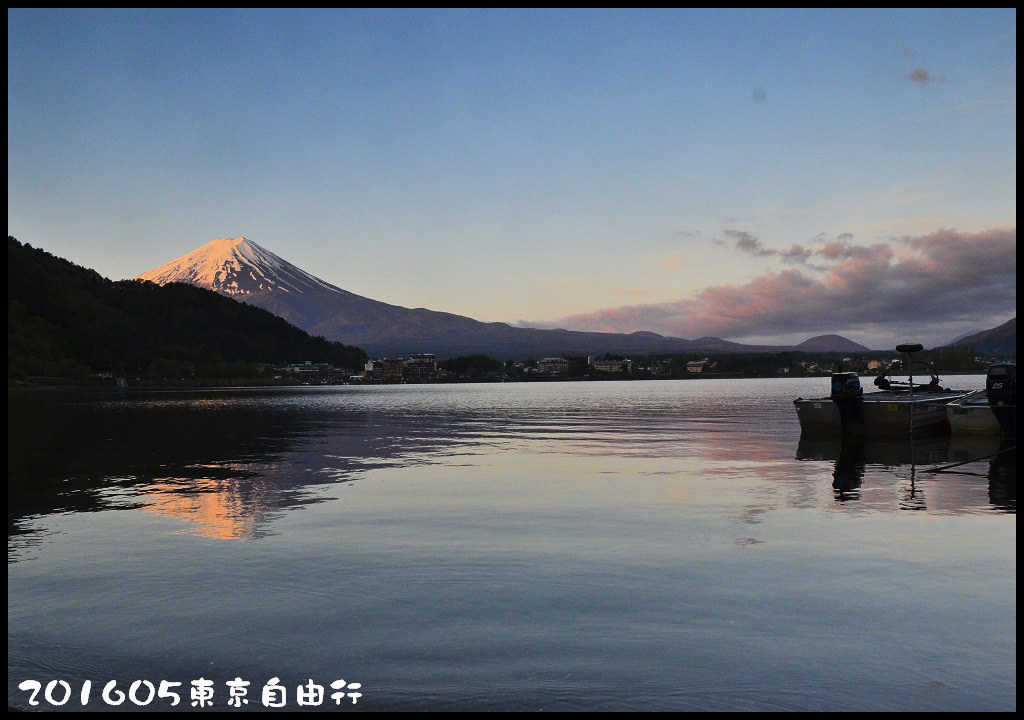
(696, 366)
(610, 365)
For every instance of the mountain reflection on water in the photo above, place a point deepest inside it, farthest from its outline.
(226, 462)
(202, 458)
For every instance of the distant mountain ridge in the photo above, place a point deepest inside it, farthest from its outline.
(245, 271)
(1000, 340)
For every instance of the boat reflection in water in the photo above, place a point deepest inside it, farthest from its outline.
(865, 470)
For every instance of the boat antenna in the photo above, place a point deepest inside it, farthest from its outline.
(910, 349)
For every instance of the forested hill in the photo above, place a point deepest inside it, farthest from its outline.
(68, 321)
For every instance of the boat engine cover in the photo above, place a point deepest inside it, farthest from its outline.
(846, 385)
(1001, 384)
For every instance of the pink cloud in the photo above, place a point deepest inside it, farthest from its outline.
(917, 282)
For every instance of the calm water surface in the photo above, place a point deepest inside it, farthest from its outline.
(556, 546)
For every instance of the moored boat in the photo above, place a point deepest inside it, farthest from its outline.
(992, 411)
(897, 409)
(971, 415)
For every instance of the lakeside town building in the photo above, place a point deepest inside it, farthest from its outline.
(610, 366)
(386, 369)
(315, 372)
(553, 366)
(696, 366)
(421, 367)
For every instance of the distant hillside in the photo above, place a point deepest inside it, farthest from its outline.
(1000, 340)
(64, 320)
(831, 343)
(248, 272)
(958, 338)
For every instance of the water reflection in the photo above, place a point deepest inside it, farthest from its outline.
(912, 462)
(1002, 476)
(449, 546)
(228, 462)
(205, 460)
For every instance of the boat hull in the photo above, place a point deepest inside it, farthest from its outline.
(882, 414)
(972, 415)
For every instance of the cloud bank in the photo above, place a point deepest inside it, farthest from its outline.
(925, 286)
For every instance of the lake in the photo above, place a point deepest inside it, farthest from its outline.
(649, 545)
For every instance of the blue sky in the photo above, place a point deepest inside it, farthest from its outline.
(591, 169)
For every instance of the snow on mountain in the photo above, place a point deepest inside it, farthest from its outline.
(236, 266)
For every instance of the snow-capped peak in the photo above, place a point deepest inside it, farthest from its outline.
(235, 266)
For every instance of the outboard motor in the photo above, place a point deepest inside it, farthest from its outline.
(1001, 389)
(847, 394)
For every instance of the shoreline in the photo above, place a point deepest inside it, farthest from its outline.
(19, 387)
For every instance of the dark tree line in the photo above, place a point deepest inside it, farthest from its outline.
(68, 321)
(472, 367)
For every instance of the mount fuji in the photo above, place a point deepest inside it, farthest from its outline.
(241, 269)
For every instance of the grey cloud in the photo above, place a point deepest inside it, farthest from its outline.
(920, 76)
(748, 243)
